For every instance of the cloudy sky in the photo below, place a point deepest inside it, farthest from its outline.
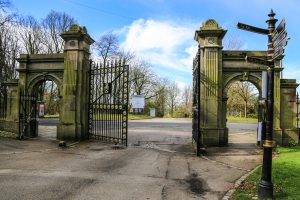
(162, 31)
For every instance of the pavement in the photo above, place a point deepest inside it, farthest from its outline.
(159, 163)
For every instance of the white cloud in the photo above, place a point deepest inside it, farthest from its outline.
(162, 43)
(291, 71)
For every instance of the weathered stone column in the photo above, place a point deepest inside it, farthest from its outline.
(287, 112)
(277, 129)
(12, 111)
(10, 123)
(210, 38)
(276, 122)
(74, 106)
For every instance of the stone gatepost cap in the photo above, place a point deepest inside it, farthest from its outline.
(210, 24)
(77, 32)
(210, 27)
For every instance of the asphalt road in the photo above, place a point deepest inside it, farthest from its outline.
(169, 127)
(48, 121)
(185, 123)
(159, 163)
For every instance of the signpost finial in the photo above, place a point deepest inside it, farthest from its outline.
(271, 14)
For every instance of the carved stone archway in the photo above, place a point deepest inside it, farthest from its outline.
(218, 68)
(69, 70)
(36, 80)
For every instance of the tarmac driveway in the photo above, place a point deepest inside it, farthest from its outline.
(158, 164)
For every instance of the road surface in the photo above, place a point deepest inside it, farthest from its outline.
(158, 164)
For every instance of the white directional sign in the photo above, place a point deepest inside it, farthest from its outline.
(138, 101)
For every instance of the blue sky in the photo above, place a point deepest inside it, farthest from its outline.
(162, 31)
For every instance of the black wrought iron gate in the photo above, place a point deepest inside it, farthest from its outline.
(27, 115)
(108, 104)
(197, 141)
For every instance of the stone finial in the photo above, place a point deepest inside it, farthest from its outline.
(211, 23)
(76, 28)
(77, 31)
(210, 28)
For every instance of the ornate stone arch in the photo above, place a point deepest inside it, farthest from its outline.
(254, 78)
(42, 77)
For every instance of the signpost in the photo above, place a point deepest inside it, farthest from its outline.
(280, 37)
(277, 40)
(257, 60)
(253, 29)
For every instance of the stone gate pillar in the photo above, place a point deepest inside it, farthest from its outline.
(214, 132)
(277, 130)
(10, 123)
(74, 106)
(287, 112)
(276, 123)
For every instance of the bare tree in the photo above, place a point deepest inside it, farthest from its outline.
(31, 35)
(173, 93)
(187, 97)
(142, 79)
(53, 25)
(233, 42)
(241, 95)
(160, 100)
(9, 45)
(4, 4)
(4, 16)
(127, 56)
(9, 49)
(107, 47)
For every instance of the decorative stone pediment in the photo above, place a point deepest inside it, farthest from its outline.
(211, 23)
(209, 29)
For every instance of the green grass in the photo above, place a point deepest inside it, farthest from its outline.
(241, 119)
(52, 116)
(137, 117)
(285, 177)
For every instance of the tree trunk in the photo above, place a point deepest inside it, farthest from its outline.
(51, 104)
(245, 110)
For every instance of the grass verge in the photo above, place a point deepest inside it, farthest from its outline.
(242, 119)
(52, 116)
(137, 117)
(285, 177)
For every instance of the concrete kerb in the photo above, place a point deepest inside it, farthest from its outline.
(224, 164)
(238, 183)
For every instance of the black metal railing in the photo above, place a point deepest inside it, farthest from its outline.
(27, 115)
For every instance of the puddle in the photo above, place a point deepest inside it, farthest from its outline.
(197, 185)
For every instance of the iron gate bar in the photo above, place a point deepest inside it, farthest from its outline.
(196, 130)
(108, 101)
(27, 115)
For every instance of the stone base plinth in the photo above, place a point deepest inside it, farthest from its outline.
(284, 137)
(215, 136)
(9, 126)
(66, 132)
